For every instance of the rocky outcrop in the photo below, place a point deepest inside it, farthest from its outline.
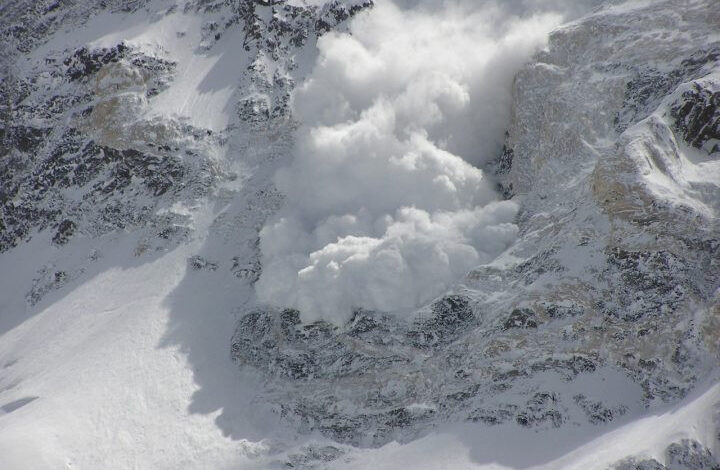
(73, 162)
(612, 156)
(90, 133)
(683, 455)
(631, 236)
(81, 153)
(379, 378)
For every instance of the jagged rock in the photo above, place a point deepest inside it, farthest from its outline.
(312, 456)
(64, 232)
(684, 455)
(84, 63)
(559, 311)
(655, 281)
(620, 272)
(449, 317)
(697, 116)
(649, 464)
(689, 455)
(597, 412)
(542, 407)
(601, 263)
(390, 357)
(89, 151)
(521, 318)
(198, 263)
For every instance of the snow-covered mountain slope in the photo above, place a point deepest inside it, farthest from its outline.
(143, 145)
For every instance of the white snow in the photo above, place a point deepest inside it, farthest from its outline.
(387, 207)
(128, 366)
(113, 388)
(672, 170)
(205, 80)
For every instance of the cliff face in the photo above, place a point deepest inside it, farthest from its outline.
(612, 155)
(622, 191)
(136, 135)
(101, 134)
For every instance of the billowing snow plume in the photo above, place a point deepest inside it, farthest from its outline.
(386, 206)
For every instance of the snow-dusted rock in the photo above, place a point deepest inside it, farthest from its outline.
(612, 156)
(159, 139)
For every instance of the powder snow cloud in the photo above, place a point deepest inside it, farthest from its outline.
(387, 206)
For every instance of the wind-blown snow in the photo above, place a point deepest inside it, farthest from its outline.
(387, 206)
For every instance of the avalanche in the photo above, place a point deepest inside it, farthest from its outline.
(355, 234)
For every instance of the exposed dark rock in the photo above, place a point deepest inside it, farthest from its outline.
(44, 168)
(697, 117)
(556, 311)
(537, 266)
(649, 86)
(653, 282)
(310, 456)
(573, 366)
(493, 416)
(689, 455)
(26, 139)
(632, 464)
(48, 279)
(336, 12)
(319, 360)
(83, 63)
(597, 412)
(64, 232)
(684, 455)
(541, 409)
(198, 263)
(450, 316)
(362, 323)
(521, 318)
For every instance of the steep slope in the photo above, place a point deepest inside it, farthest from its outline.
(137, 137)
(140, 145)
(606, 306)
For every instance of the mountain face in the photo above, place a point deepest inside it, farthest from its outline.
(140, 146)
(614, 273)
